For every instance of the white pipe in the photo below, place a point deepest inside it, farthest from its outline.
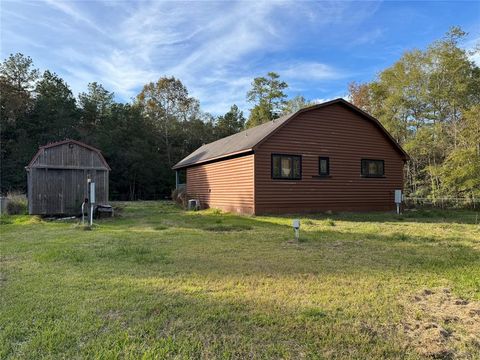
(83, 213)
(91, 214)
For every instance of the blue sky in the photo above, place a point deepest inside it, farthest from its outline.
(217, 48)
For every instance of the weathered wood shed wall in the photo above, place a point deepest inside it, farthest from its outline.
(57, 178)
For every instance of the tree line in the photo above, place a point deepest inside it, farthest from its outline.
(140, 140)
(429, 100)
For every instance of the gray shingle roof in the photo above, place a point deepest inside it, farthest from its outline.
(233, 144)
(246, 140)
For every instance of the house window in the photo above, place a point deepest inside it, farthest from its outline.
(323, 166)
(373, 168)
(287, 167)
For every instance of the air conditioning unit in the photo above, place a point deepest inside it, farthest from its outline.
(194, 204)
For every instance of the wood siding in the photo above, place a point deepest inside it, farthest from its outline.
(68, 156)
(57, 179)
(226, 185)
(345, 137)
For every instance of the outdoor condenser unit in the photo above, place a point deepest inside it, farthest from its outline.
(193, 204)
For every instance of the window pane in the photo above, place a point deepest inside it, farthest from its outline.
(276, 166)
(364, 167)
(286, 167)
(380, 168)
(296, 167)
(323, 166)
(372, 168)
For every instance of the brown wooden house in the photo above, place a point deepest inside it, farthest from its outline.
(57, 178)
(330, 156)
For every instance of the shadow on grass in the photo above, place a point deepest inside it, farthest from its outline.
(420, 216)
(139, 317)
(237, 249)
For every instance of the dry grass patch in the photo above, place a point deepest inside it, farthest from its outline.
(439, 325)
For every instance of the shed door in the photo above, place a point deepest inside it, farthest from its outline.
(54, 192)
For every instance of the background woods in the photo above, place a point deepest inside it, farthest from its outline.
(429, 100)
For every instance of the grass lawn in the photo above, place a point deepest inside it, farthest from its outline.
(159, 282)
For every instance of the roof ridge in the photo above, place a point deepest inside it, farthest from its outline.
(66, 141)
(236, 143)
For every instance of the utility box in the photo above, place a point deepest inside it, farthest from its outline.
(398, 196)
(398, 199)
(92, 193)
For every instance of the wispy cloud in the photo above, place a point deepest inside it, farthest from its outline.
(473, 48)
(215, 48)
(72, 11)
(311, 71)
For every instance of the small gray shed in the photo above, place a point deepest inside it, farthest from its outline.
(57, 178)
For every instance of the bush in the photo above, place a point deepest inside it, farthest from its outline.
(180, 197)
(16, 204)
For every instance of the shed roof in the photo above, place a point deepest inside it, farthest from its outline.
(67, 141)
(247, 140)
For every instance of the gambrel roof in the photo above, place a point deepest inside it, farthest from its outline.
(42, 149)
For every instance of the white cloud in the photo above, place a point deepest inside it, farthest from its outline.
(215, 48)
(473, 48)
(71, 10)
(310, 71)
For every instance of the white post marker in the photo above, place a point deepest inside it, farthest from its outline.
(296, 228)
(92, 201)
(83, 212)
(398, 199)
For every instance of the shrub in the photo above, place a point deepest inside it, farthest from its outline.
(180, 197)
(16, 203)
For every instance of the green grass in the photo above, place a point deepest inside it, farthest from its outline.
(158, 282)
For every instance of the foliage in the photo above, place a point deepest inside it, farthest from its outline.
(230, 123)
(140, 141)
(429, 101)
(267, 95)
(17, 80)
(159, 282)
(16, 203)
(129, 143)
(180, 197)
(95, 107)
(294, 104)
(167, 105)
